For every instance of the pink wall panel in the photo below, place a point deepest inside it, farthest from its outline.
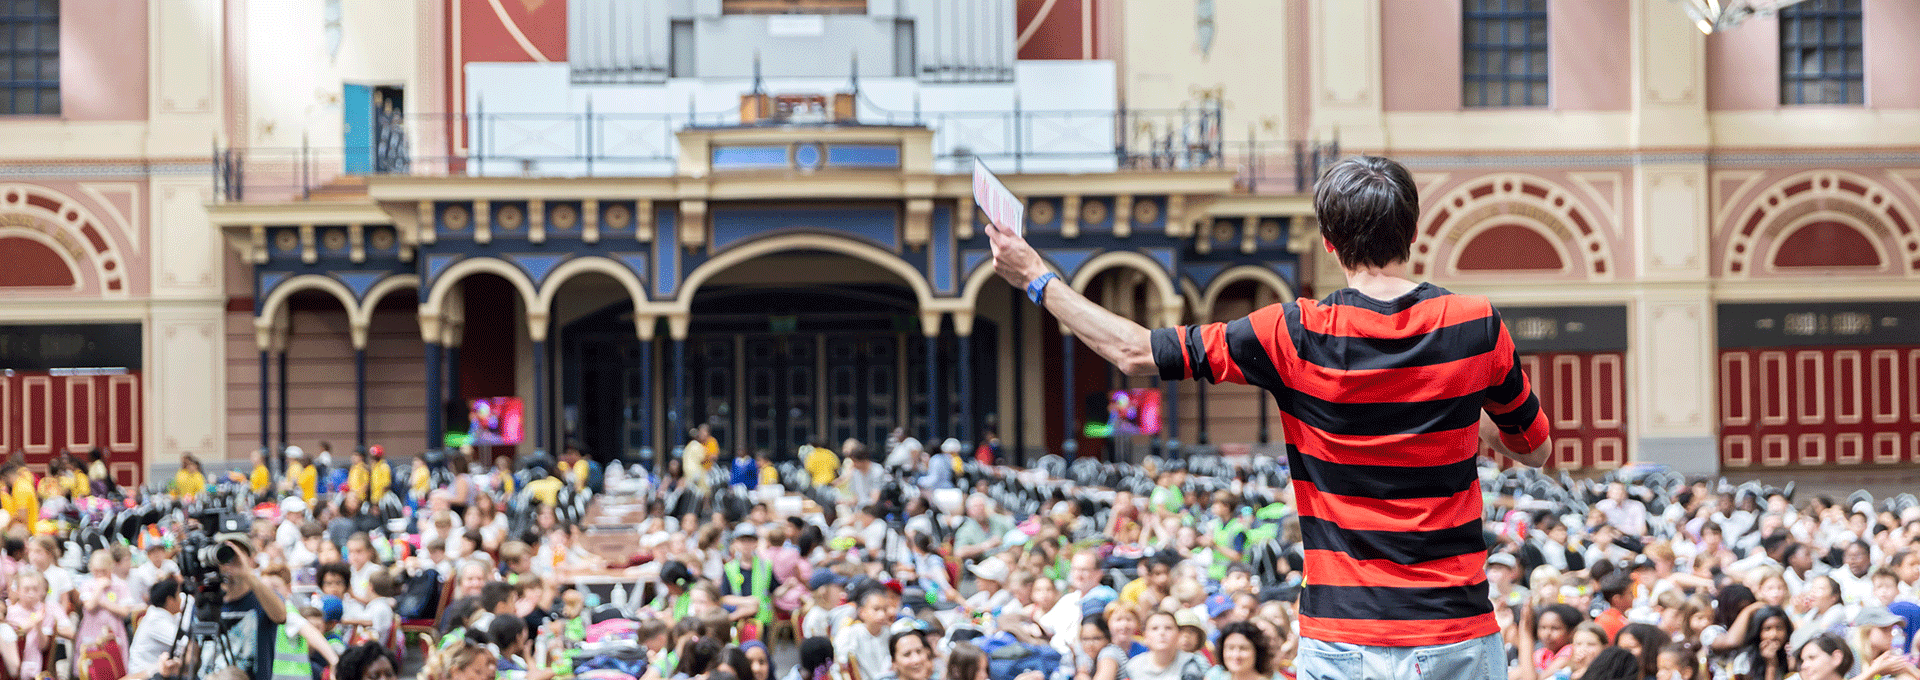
(1421, 67)
(103, 60)
(1892, 35)
(1587, 48)
(1743, 66)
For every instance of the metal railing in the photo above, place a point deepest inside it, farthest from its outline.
(593, 144)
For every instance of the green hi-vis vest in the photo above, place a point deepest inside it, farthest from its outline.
(290, 660)
(681, 605)
(762, 587)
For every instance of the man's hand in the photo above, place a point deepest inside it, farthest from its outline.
(1013, 258)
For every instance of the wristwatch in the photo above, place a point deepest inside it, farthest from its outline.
(1038, 288)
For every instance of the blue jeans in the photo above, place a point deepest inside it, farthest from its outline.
(1482, 658)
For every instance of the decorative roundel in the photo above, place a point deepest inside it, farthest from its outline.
(286, 240)
(618, 216)
(564, 217)
(1041, 212)
(14, 196)
(1269, 230)
(382, 239)
(808, 156)
(1222, 230)
(511, 217)
(1093, 212)
(1145, 212)
(455, 217)
(334, 239)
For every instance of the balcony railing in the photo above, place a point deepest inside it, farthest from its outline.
(479, 144)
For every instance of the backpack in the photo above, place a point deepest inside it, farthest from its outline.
(419, 596)
(1008, 658)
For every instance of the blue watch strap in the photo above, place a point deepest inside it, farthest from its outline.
(1038, 288)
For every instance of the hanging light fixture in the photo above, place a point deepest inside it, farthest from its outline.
(1719, 15)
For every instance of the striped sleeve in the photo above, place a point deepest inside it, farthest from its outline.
(1239, 351)
(1511, 401)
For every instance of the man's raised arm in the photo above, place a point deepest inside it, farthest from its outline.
(1122, 342)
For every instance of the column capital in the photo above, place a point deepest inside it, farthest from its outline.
(537, 321)
(263, 333)
(430, 327)
(358, 332)
(645, 327)
(962, 322)
(930, 323)
(677, 325)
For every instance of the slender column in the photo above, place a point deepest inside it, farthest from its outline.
(678, 415)
(360, 396)
(964, 345)
(284, 436)
(452, 351)
(539, 394)
(933, 386)
(1201, 402)
(266, 402)
(1171, 414)
(1261, 407)
(1018, 417)
(1070, 444)
(436, 428)
(645, 414)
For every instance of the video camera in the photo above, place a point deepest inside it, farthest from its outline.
(214, 532)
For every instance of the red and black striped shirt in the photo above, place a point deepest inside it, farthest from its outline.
(1380, 403)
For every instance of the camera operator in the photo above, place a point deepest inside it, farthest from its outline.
(250, 613)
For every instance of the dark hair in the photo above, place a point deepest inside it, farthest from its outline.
(734, 658)
(699, 657)
(1830, 643)
(1614, 585)
(494, 593)
(1569, 617)
(333, 569)
(818, 651)
(893, 643)
(1614, 663)
(357, 659)
(162, 591)
(1100, 623)
(505, 630)
(457, 613)
(965, 661)
(1650, 638)
(1368, 209)
(1262, 656)
(1733, 598)
(1751, 646)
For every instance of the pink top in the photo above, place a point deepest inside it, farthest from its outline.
(36, 627)
(96, 622)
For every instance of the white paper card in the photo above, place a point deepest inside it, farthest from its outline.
(1000, 205)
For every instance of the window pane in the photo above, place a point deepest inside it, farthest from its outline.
(49, 101)
(1537, 31)
(1853, 61)
(1537, 94)
(50, 69)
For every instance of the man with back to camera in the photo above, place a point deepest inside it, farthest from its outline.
(1380, 388)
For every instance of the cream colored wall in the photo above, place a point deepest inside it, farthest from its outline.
(1163, 67)
(293, 83)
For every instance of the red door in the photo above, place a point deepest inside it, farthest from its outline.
(47, 412)
(1584, 395)
(1819, 406)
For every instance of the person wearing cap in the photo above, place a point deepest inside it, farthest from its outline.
(1164, 659)
(381, 472)
(746, 584)
(943, 467)
(302, 479)
(254, 609)
(1219, 613)
(1874, 629)
(293, 515)
(990, 582)
(1502, 568)
(829, 590)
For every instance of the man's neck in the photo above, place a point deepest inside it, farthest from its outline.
(1381, 283)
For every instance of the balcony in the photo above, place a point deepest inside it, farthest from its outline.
(590, 144)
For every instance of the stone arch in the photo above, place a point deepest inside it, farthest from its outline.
(1815, 196)
(1512, 198)
(1171, 302)
(276, 301)
(1244, 272)
(443, 284)
(922, 292)
(72, 230)
(363, 316)
(619, 272)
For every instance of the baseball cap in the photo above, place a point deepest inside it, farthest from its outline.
(746, 531)
(1217, 605)
(991, 569)
(1186, 618)
(1876, 617)
(292, 504)
(1503, 559)
(825, 577)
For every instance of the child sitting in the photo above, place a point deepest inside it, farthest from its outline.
(36, 619)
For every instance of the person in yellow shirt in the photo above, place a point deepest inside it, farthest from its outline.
(190, 481)
(23, 504)
(420, 481)
(301, 479)
(359, 476)
(382, 472)
(261, 478)
(822, 464)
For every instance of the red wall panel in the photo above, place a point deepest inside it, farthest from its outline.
(1584, 395)
(1819, 406)
(42, 414)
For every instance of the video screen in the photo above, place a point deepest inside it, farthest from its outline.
(1129, 412)
(494, 421)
